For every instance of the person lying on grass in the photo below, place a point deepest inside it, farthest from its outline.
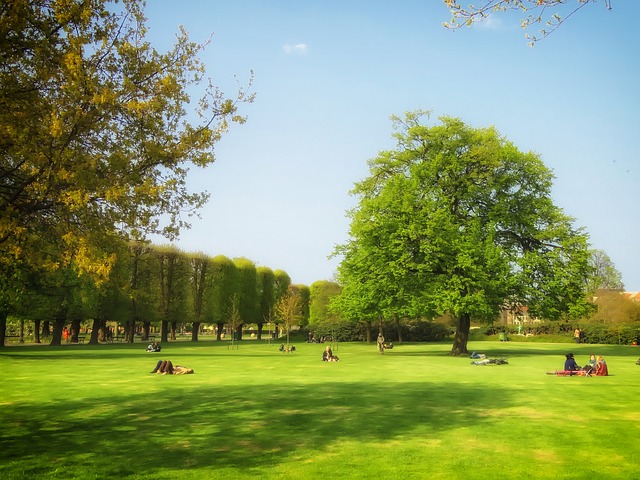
(490, 361)
(165, 367)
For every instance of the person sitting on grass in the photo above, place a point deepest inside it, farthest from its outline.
(570, 364)
(328, 356)
(154, 347)
(570, 367)
(601, 367)
(590, 367)
(165, 367)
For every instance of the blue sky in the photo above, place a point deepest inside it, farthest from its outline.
(328, 75)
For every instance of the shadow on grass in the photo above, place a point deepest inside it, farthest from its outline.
(518, 349)
(237, 427)
(122, 350)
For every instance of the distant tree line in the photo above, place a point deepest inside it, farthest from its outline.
(159, 287)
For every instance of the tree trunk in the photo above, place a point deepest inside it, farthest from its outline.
(398, 328)
(367, 330)
(75, 330)
(145, 331)
(46, 329)
(172, 332)
(3, 327)
(36, 331)
(164, 331)
(259, 334)
(196, 330)
(95, 331)
(463, 325)
(130, 331)
(220, 329)
(58, 326)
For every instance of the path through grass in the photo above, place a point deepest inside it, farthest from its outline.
(95, 412)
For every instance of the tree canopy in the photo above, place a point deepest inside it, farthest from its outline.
(536, 12)
(97, 131)
(321, 293)
(456, 220)
(605, 275)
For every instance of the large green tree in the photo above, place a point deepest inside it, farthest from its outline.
(97, 130)
(248, 303)
(322, 291)
(219, 300)
(282, 281)
(143, 288)
(200, 285)
(115, 298)
(456, 220)
(305, 304)
(288, 310)
(175, 293)
(266, 297)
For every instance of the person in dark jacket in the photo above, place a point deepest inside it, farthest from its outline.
(570, 364)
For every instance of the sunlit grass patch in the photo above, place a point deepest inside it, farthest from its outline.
(97, 412)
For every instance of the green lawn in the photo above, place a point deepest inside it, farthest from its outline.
(84, 411)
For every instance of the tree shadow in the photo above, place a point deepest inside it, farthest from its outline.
(182, 426)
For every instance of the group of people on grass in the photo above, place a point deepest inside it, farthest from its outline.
(481, 359)
(597, 366)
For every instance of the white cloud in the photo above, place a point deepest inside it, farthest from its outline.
(489, 23)
(297, 49)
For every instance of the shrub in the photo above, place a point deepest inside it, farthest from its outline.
(340, 331)
(611, 334)
(423, 331)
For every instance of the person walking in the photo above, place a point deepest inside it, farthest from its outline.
(381, 343)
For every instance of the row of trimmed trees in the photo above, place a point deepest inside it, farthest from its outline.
(160, 286)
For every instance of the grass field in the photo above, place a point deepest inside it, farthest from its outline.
(96, 412)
